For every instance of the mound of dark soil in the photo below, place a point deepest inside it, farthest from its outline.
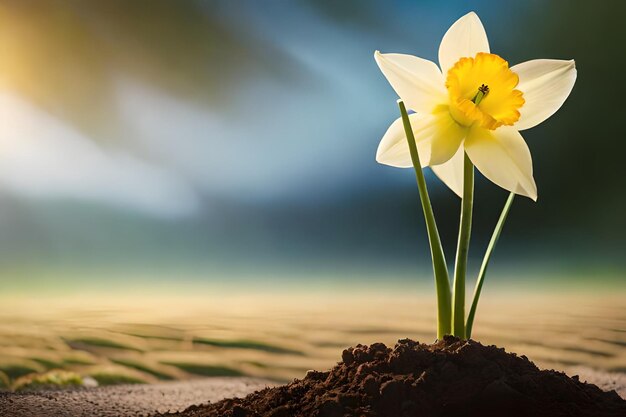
(448, 378)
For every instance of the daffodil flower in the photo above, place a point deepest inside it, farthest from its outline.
(468, 112)
(473, 103)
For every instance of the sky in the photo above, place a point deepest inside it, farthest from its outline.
(238, 138)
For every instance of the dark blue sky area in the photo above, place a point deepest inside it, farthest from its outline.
(227, 133)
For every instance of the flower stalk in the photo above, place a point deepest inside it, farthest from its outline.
(440, 269)
(460, 268)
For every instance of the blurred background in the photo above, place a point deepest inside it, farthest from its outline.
(226, 149)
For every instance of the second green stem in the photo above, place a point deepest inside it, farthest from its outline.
(460, 268)
(440, 268)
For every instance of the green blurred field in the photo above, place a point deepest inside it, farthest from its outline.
(146, 339)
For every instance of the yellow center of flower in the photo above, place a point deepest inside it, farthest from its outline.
(482, 90)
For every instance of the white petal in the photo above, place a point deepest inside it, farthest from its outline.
(465, 38)
(546, 84)
(451, 172)
(393, 149)
(437, 137)
(503, 157)
(418, 82)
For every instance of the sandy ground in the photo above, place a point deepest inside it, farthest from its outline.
(126, 400)
(277, 338)
(145, 400)
(155, 339)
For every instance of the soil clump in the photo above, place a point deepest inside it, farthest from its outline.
(451, 377)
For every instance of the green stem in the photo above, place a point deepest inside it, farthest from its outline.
(440, 269)
(460, 268)
(483, 268)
